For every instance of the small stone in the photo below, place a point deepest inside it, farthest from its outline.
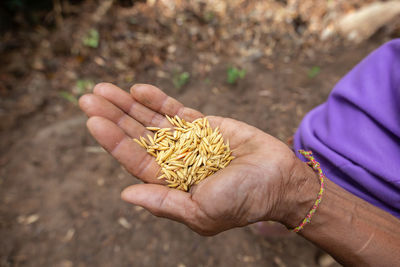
(31, 219)
(215, 91)
(264, 93)
(65, 263)
(325, 260)
(248, 259)
(100, 182)
(69, 235)
(138, 208)
(99, 61)
(124, 223)
(171, 49)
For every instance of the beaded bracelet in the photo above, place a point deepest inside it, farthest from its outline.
(316, 166)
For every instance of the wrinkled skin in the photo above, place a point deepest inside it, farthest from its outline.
(254, 187)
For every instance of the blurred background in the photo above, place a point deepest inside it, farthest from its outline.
(263, 62)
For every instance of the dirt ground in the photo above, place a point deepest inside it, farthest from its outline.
(60, 192)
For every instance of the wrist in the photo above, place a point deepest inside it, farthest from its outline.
(301, 191)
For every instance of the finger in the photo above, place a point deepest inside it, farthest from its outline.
(95, 105)
(132, 156)
(158, 101)
(229, 130)
(162, 201)
(129, 105)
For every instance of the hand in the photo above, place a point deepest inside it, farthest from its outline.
(256, 185)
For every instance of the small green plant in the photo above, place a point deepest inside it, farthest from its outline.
(70, 97)
(91, 39)
(180, 79)
(83, 86)
(208, 16)
(314, 71)
(233, 74)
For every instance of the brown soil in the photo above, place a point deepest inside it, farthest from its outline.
(59, 193)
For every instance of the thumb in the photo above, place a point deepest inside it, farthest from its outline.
(162, 201)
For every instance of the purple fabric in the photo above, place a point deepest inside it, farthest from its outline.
(356, 134)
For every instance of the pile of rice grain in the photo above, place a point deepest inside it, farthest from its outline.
(189, 153)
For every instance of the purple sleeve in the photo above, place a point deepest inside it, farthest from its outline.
(356, 134)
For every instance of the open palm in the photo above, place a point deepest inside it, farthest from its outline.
(250, 189)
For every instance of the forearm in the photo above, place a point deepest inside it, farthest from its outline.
(350, 229)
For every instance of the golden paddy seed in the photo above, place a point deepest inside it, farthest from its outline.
(188, 153)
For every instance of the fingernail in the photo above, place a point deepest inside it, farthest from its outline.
(125, 195)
